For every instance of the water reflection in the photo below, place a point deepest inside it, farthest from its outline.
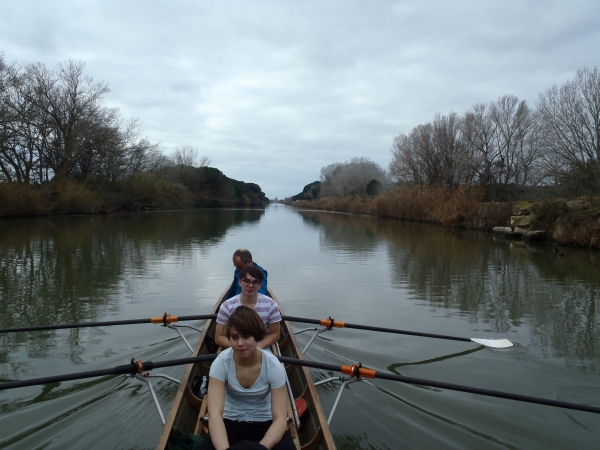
(360, 269)
(72, 269)
(394, 368)
(344, 235)
(498, 285)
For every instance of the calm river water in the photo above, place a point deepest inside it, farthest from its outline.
(357, 269)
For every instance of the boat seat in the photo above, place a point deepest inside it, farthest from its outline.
(301, 406)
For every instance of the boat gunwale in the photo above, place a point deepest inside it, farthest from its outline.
(309, 382)
(180, 395)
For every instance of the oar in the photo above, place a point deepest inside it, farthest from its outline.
(167, 319)
(354, 370)
(357, 371)
(135, 367)
(164, 320)
(330, 323)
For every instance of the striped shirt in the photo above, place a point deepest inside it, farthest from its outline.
(265, 307)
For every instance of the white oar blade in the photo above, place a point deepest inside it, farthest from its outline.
(494, 343)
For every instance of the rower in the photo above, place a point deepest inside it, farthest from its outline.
(247, 390)
(250, 282)
(241, 259)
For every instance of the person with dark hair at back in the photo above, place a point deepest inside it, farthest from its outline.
(243, 258)
(247, 397)
(250, 282)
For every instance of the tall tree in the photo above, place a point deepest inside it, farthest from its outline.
(351, 178)
(433, 154)
(479, 139)
(512, 120)
(73, 101)
(571, 120)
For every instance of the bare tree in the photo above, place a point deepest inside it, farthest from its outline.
(502, 141)
(478, 138)
(571, 120)
(113, 150)
(73, 101)
(185, 155)
(54, 125)
(7, 162)
(433, 154)
(352, 178)
(405, 166)
(328, 175)
(452, 156)
(24, 132)
(512, 121)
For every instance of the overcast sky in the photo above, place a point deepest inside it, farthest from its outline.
(271, 91)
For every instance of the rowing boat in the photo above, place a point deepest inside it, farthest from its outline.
(308, 424)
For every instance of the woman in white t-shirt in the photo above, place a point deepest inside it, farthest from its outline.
(247, 397)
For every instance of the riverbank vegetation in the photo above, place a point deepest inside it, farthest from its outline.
(64, 151)
(573, 222)
(467, 170)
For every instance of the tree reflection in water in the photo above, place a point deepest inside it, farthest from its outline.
(498, 284)
(69, 269)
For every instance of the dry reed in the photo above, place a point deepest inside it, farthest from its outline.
(463, 207)
(420, 203)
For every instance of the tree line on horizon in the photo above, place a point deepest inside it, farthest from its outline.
(506, 147)
(58, 135)
(505, 143)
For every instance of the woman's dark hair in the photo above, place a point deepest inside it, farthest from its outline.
(246, 322)
(254, 272)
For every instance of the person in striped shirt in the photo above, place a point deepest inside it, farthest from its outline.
(250, 281)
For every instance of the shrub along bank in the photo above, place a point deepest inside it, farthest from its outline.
(574, 222)
(142, 191)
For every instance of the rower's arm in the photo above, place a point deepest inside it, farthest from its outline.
(216, 406)
(273, 336)
(275, 432)
(220, 336)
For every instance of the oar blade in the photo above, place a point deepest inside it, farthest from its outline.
(494, 343)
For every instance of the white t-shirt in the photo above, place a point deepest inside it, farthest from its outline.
(253, 403)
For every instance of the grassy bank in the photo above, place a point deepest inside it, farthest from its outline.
(574, 222)
(135, 193)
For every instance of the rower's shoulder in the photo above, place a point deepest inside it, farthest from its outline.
(230, 303)
(262, 298)
(259, 267)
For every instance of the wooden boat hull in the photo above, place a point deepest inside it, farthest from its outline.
(313, 433)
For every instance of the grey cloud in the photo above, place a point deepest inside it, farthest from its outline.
(271, 91)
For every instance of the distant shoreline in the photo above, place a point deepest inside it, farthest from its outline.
(565, 222)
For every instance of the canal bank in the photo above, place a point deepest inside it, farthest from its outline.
(566, 222)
